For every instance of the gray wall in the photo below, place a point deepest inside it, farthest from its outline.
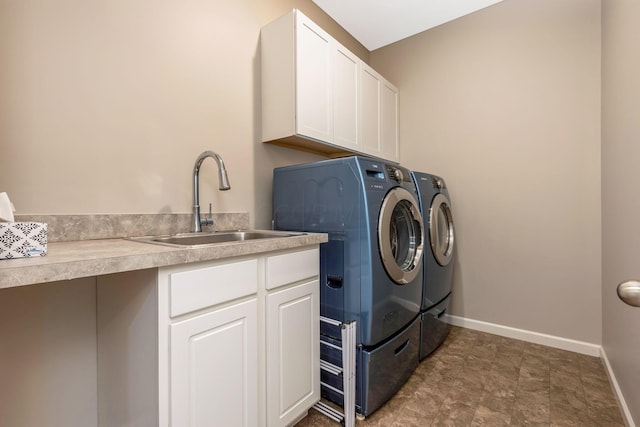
(106, 104)
(620, 196)
(48, 356)
(505, 105)
(104, 107)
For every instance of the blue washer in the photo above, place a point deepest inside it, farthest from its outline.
(435, 206)
(371, 268)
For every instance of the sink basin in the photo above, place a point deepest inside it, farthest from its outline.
(214, 238)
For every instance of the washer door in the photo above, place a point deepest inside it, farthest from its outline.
(441, 229)
(400, 236)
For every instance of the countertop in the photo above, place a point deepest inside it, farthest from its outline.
(86, 258)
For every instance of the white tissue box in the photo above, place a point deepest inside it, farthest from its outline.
(22, 239)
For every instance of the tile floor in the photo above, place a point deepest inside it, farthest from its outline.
(479, 379)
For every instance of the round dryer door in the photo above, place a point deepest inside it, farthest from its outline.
(441, 229)
(400, 231)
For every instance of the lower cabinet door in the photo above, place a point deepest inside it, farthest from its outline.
(293, 355)
(214, 368)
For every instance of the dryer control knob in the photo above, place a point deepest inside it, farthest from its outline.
(439, 184)
(397, 173)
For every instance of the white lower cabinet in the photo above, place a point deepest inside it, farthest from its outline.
(293, 364)
(213, 368)
(222, 343)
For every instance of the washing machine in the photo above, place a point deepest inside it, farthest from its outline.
(435, 206)
(371, 269)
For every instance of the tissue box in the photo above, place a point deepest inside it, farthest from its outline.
(22, 239)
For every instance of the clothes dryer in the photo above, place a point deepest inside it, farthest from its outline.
(435, 206)
(371, 267)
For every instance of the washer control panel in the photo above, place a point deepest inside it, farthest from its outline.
(398, 174)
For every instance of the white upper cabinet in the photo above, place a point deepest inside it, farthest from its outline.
(315, 96)
(370, 83)
(313, 88)
(390, 143)
(379, 115)
(346, 132)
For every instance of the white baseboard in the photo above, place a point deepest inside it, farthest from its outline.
(616, 389)
(521, 334)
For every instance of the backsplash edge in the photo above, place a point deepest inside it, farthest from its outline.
(64, 228)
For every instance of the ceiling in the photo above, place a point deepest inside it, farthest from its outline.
(377, 23)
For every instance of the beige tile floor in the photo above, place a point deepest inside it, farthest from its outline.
(479, 379)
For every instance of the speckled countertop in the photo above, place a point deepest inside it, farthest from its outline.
(85, 258)
(95, 253)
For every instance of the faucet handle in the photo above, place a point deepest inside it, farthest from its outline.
(209, 219)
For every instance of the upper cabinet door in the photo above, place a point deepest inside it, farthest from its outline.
(389, 122)
(370, 83)
(314, 88)
(345, 99)
(378, 115)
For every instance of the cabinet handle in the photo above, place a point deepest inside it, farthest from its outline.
(629, 292)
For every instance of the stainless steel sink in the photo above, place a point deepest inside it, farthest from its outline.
(213, 238)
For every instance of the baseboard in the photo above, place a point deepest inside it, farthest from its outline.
(616, 388)
(524, 335)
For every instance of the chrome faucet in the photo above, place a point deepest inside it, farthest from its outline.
(223, 185)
